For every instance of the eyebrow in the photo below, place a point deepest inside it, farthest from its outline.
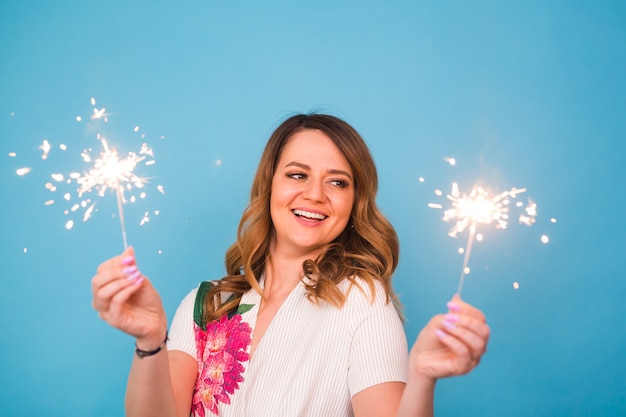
(330, 171)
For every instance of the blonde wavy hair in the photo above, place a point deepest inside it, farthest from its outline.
(367, 248)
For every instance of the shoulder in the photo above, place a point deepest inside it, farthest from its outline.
(359, 290)
(195, 295)
(365, 300)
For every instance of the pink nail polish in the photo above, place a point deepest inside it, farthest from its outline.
(440, 333)
(128, 270)
(139, 281)
(134, 276)
(452, 318)
(453, 306)
(128, 260)
(448, 325)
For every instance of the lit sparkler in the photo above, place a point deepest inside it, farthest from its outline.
(109, 172)
(481, 207)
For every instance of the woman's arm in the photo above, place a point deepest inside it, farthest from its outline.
(161, 385)
(449, 345)
(158, 385)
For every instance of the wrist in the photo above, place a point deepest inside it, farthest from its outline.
(422, 381)
(151, 340)
(142, 353)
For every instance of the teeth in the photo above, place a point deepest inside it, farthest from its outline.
(309, 215)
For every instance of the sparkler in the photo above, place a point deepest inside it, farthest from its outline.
(109, 172)
(482, 208)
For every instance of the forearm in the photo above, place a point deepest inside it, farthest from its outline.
(418, 397)
(149, 392)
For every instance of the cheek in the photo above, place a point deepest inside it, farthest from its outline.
(344, 205)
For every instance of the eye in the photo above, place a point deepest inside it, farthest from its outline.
(297, 175)
(339, 183)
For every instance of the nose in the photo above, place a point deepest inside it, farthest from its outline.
(314, 190)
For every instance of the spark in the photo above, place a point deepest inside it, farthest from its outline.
(451, 161)
(145, 219)
(99, 114)
(23, 171)
(45, 147)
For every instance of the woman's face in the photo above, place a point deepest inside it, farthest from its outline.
(312, 194)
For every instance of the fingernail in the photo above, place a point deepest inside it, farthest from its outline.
(452, 318)
(127, 260)
(134, 276)
(440, 333)
(453, 306)
(129, 269)
(139, 281)
(448, 325)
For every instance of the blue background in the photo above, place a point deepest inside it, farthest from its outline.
(529, 94)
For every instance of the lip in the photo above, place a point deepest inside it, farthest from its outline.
(309, 221)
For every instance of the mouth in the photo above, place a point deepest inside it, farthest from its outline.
(309, 215)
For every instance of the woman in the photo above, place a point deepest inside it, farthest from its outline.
(306, 321)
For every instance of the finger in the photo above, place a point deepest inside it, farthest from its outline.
(113, 269)
(104, 294)
(119, 300)
(473, 333)
(463, 358)
(458, 306)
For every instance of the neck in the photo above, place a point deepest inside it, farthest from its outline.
(283, 271)
(281, 275)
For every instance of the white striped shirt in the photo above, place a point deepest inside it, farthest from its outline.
(312, 358)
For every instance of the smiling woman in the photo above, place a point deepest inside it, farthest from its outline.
(306, 321)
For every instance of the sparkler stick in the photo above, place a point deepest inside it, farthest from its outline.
(120, 211)
(468, 251)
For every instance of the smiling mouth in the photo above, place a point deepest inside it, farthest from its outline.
(308, 215)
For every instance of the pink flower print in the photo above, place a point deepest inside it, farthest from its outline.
(221, 352)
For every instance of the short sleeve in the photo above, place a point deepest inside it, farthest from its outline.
(379, 350)
(181, 334)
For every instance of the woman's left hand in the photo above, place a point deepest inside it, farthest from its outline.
(450, 344)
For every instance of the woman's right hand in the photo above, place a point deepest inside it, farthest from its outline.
(126, 299)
